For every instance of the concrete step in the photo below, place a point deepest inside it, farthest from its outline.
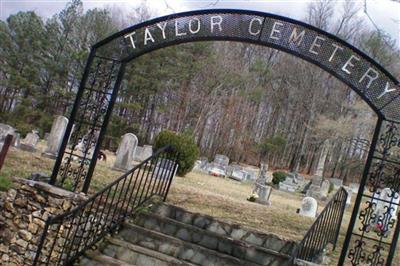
(130, 253)
(93, 258)
(227, 229)
(177, 248)
(211, 240)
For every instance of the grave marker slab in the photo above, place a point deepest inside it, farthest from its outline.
(221, 160)
(125, 152)
(56, 136)
(30, 141)
(309, 207)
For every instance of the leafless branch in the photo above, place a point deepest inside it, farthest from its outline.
(381, 32)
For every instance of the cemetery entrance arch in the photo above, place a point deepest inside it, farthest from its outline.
(105, 69)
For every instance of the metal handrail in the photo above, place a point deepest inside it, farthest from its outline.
(325, 229)
(67, 236)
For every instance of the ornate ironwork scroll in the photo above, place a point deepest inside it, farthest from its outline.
(75, 165)
(372, 234)
(371, 237)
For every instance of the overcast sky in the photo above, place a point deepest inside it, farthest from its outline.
(384, 13)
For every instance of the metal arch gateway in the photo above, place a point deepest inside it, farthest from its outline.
(105, 69)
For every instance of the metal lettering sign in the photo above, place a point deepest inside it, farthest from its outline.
(372, 235)
(342, 60)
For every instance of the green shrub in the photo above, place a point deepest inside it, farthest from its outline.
(182, 143)
(278, 177)
(5, 183)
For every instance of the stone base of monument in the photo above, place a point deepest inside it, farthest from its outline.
(25, 208)
(49, 155)
(26, 147)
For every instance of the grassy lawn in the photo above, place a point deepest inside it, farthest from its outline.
(222, 198)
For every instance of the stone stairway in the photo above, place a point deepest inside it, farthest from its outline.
(164, 235)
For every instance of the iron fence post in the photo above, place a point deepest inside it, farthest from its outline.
(343, 207)
(172, 176)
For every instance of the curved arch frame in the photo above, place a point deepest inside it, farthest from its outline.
(104, 72)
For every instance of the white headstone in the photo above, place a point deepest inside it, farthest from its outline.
(386, 208)
(125, 152)
(309, 207)
(30, 141)
(56, 136)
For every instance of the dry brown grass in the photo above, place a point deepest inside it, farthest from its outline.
(223, 198)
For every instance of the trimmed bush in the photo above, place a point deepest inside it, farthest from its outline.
(278, 177)
(182, 143)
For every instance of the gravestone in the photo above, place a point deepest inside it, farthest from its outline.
(30, 141)
(292, 183)
(235, 172)
(196, 166)
(317, 180)
(354, 187)
(142, 153)
(147, 151)
(138, 153)
(262, 190)
(324, 190)
(251, 174)
(385, 210)
(203, 162)
(221, 160)
(16, 140)
(319, 188)
(238, 174)
(337, 183)
(4, 131)
(55, 137)
(321, 162)
(125, 152)
(309, 207)
(288, 184)
(165, 169)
